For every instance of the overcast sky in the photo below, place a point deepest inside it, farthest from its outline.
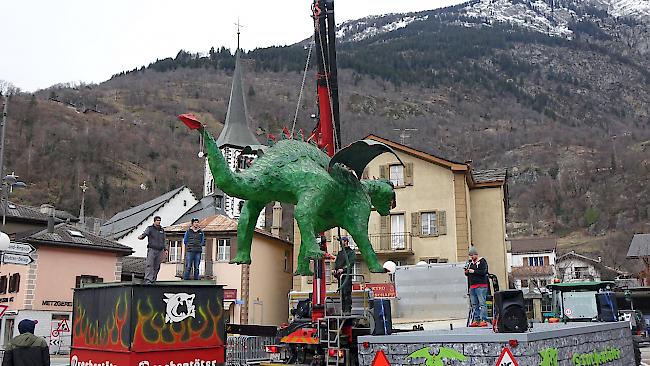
(46, 42)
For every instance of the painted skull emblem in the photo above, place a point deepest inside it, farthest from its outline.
(179, 307)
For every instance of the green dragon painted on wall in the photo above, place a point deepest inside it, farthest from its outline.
(326, 193)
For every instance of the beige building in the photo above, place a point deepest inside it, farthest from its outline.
(442, 207)
(255, 293)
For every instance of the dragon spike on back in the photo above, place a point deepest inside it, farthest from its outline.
(287, 134)
(270, 138)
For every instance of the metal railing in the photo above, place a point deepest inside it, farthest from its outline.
(246, 350)
(392, 242)
(205, 269)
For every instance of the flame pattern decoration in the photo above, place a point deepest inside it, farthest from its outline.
(111, 334)
(151, 331)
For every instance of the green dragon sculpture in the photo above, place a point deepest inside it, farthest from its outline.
(326, 194)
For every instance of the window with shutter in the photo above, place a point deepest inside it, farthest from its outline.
(223, 250)
(442, 222)
(3, 284)
(14, 283)
(408, 174)
(429, 223)
(397, 175)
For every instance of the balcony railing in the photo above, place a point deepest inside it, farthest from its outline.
(392, 243)
(205, 270)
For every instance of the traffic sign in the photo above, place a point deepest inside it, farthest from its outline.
(20, 248)
(10, 258)
(3, 308)
(380, 359)
(506, 358)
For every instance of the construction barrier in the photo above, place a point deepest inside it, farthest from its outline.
(247, 350)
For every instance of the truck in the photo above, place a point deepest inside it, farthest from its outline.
(429, 295)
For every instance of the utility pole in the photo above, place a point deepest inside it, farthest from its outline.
(2, 142)
(403, 135)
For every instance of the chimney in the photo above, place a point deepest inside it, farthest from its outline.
(50, 224)
(47, 209)
(276, 224)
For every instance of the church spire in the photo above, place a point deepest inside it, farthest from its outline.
(236, 131)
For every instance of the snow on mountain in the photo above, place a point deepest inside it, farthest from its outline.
(535, 15)
(551, 17)
(358, 30)
(639, 9)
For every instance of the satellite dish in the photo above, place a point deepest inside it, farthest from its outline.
(201, 154)
(143, 187)
(421, 263)
(390, 266)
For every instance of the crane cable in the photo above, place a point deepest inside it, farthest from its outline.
(302, 87)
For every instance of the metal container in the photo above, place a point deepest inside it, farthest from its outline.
(129, 324)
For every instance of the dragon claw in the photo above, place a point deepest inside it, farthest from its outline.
(240, 260)
(303, 271)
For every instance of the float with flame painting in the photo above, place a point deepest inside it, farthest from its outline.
(144, 325)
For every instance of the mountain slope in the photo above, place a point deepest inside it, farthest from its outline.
(567, 113)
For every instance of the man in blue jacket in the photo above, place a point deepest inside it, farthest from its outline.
(194, 241)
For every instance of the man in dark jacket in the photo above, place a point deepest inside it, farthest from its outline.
(194, 241)
(27, 349)
(343, 266)
(476, 271)
(155, 235)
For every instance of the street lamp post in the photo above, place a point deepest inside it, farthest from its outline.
(9, 182)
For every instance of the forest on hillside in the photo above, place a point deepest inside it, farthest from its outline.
(568, 118)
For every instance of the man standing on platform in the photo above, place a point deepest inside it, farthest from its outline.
(343, 265)
(194, 241)
(155, 249)
(476, 271)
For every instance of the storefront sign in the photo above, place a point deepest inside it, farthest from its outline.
(6, 299)
(382, 290)
(230, 294)
(596, 358)
(379, 290)
(56, 303)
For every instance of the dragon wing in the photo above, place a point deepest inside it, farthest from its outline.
(358, 154)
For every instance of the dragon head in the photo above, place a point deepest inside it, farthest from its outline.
(381, 194)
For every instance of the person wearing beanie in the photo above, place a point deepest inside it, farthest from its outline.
(476, 271)
(343, 266)
(27, 349)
